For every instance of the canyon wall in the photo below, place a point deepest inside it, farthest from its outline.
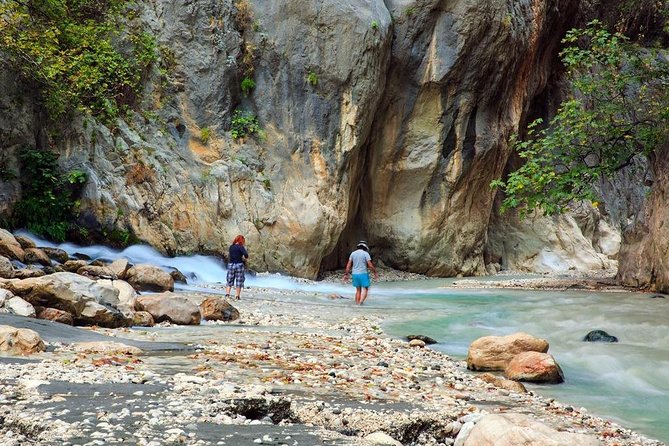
(385, 121)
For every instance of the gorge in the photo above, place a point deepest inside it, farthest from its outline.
(379, 120)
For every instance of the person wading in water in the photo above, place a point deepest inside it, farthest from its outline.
(236, 266)
(358, 263)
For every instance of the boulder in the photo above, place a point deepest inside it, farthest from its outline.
(149, 278)
(119, 268)
(73, 266)
(54, 315)
(503, 383)
(6, 268)
(28, 272)
(9, 247)
(599, 336)
(428, 340)
(25, 242)
(20, 307)
(495, 352)
(5, 295)
(20, 341)
(102, 315)
(417, 343)
(216, 309)
(64, 291)
(142, 319)
(56, 254)
(381, 439)
(169, 307)
(36, 255)
(126, 293)
(534, 367)
(178, 276)
(513, 429)
(94, 271)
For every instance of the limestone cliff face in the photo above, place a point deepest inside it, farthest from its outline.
(461, 78)
(644, 262)
(381, 120)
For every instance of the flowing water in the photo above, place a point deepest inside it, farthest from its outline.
(627, 382)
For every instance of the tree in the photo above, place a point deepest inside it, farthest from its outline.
(619, 110)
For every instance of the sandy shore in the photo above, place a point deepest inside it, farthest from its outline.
(296, 369)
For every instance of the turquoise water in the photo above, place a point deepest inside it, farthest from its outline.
(626, 382)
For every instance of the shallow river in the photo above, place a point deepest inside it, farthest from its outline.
(627, 382)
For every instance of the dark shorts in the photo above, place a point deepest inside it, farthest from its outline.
(236, 275)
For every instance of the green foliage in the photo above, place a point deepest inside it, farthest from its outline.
(375, 25)
(244, 123)
(205, 135)
(49, 198)
(312, 78)
(69, 49)
(248, 85)
(410, 11)
(619, 111)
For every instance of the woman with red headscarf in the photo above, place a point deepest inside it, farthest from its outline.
(236, 266)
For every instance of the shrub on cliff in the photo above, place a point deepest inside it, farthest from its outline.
(70, 49)
(620, 110)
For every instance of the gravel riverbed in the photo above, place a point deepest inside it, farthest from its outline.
(295, 369)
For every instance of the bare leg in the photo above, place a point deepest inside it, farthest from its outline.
(227, 291)
(239, 292)
(357, 295)
(364, 295)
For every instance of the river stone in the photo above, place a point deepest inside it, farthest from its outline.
(102, 315)
(57, 254)
(178, 276)
(6, 268)
(494, 352)
(380, 438)
(126, 293)
(36, 255)
(5, 295)
(95, 272)
(9, 247)
(142, 319)
(72, 266)
(25, 242)
(169, 307)
(20, 341)
(515, 429)
(29, 272)
(119, 268)
(54, 315)
(428, 340)
(149, 278)
(534, 367)
(20, 307)
(64, 291)
(503, 383)
(217, 309)
(599, 336)
(417, 343)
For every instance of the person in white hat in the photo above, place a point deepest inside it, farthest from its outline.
(358, 262)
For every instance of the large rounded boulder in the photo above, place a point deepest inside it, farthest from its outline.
(599, 336)
(514, 429)
(169, 307)
(534, 367)
(149, 278)
(216, 309)
(494, 352)
(10, 247)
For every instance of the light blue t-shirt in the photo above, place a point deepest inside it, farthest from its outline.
(359, 258)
